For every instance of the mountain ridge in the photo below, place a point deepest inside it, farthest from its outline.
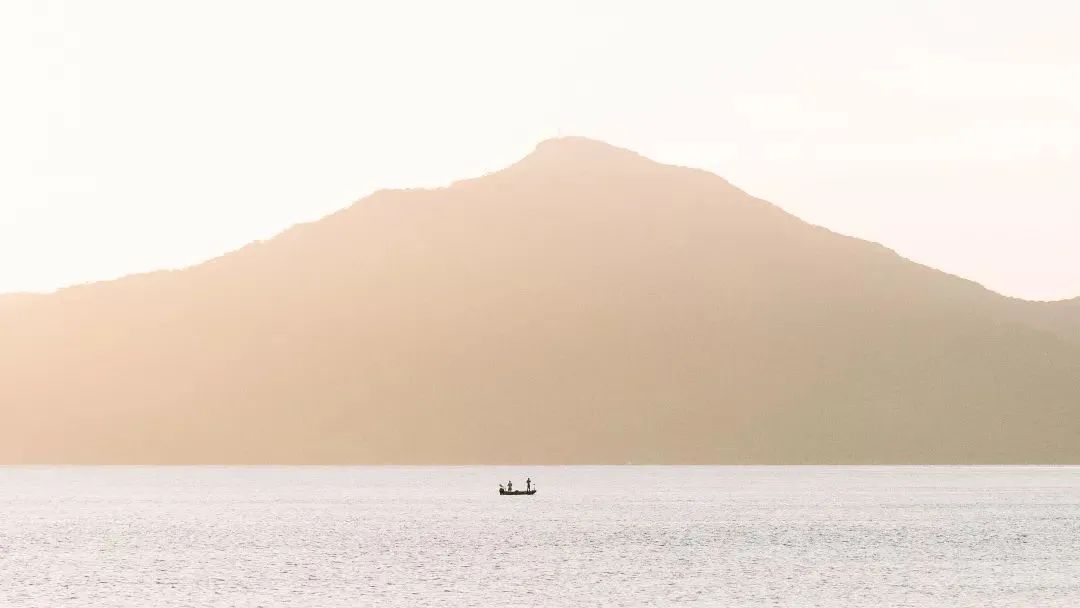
(561, 146)
(608, 307)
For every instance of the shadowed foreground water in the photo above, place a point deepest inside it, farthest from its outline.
(612, 536)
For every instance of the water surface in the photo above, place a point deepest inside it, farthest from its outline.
(612, 536)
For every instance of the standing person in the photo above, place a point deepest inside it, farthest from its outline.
(509, 486)
(528, 484)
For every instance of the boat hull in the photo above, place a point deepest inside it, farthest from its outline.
(517, 492)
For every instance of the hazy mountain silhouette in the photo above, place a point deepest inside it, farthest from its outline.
(583, 305)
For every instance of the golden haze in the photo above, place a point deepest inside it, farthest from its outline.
(583, 305)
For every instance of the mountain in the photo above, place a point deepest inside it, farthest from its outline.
(582, 305)
(1062, 318)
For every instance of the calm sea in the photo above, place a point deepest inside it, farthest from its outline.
(593, 536)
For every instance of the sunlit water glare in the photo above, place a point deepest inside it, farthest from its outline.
(325, 537)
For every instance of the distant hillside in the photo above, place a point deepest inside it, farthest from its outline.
(1062, 318)
(10, 301)
(583, 305)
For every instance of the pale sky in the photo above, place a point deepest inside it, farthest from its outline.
(140, 135)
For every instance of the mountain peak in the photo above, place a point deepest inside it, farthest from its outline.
(581, 151)
(579, 143)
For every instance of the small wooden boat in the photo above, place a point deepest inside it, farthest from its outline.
(503, 492)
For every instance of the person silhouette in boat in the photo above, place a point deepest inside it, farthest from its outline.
(528, 484)
(509, 486)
